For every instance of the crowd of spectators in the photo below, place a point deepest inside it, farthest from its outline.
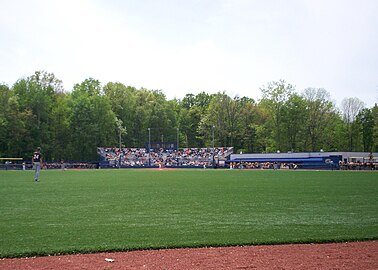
(263, 165)
(70, 165)
(293, 166)
(358, 165)
(139, 157)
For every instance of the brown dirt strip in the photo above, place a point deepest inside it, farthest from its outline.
(353, 255)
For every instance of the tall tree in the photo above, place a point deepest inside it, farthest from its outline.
(5, 94)
(319, 108)
(351, 107)
(274, 97)
(188, 101)
(154, 112)
(294, 116)
(37, 94)
(17, 137)
(250, 120)
(193, 108)
(366, 120)
(374, 111)
(60, 128)
(221, 119)
(92, 120)
(123, 100)
(162, 118)
(333, 136)
(188, 120)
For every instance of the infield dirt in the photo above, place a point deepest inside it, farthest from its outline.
(353, 255)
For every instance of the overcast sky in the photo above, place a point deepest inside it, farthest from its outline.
(189, 46)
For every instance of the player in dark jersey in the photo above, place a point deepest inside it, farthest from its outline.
(37, 162)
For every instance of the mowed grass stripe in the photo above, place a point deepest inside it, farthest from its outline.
(106, 210)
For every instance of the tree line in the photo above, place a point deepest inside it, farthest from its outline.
(37, 111)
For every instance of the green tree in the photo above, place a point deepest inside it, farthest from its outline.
(5, 94)
(274, 97)
(93, 123)
(60, 128)
(351, 108)
(222, 115)
(265, 141)
(188, 101)
(37, 95)
(17, 137)
(333, 135)
(366, 121)
(294, 116)
(319, 109)
(247, 124)
(374, 111)
(155, 112)
(123, 100)
(192, 109)
(162, 119)
(215, 121)
(188, 120)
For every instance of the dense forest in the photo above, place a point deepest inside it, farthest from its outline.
(37, 111)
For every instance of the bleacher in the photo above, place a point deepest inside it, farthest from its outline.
(184, 157)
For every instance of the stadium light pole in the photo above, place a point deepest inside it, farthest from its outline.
(177, 139)
(122, 130)
(213, 148)
(120, 146)
(213, 136)
(149, 146)
(120, 142)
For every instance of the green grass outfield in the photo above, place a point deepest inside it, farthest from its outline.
(109, 210)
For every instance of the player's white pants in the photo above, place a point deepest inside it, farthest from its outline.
(37, 166)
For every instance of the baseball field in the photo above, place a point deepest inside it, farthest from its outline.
(116, 210)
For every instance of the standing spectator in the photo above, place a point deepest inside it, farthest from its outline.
(37, 162)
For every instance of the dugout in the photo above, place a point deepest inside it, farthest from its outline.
(13, 164)
(289, 160)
